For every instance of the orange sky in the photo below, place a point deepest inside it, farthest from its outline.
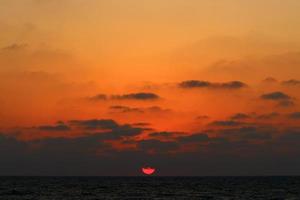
(64, 60)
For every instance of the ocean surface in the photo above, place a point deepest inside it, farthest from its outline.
(73, 188)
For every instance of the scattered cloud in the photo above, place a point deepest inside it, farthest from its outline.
(270, 80)
(14, 47)
(206, 84)
(226, 123)
(198, 137)
(294, 115)
(275, 96)
(291, 82)
(240, 116)
(58, 127)
(141, 96)
(268, 115)
(136, 96)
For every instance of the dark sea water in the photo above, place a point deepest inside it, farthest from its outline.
(73, 188)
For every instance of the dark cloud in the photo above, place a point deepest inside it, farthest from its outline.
(285, 103)
(164, 134)
(283, 99)
(268, 115)
(98, 97)
(131, 96)
(292, 136)
(291, 82)
(58, 127)
(240, 116)
(210, 85)
(136, 96)
(14, 47)
(226, 123)
(270, 80)
(294, 115)
(111, 130)
(141, 124)
(95, 124)
(276, 96)
(158, 109)
(199, 137)
(125, 109)
(248, 133)
(157, 146)
(256, 147)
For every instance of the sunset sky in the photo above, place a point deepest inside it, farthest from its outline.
(190, 87)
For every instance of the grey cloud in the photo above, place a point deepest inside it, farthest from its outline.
(285, 103)
(157, 146)
(14, 46)
(140, 96)
(248, 133)
(268, 115)
(275, 96)
(136, 96)
(141, 110)
(126, 109)
(226, 123)
(164, 134)
(88, 155)
(291, 82)
(198, 137)
(294, 115)
(95, 123)
(270, 80)
(112, 130)
(58, 127)
(205, 84)
(98, 97)
(240, 116)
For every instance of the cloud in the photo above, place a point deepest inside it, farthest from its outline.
(285, 103)
(110, 130)
(283, 99)
(95, 124)
(98, 97)
(157, 146)
(141, 96)
(141, 124)
(226, 123)
(14, 47)
(164, 134)
(294, 115)
(275, 96)
(291, 82)
(292, 136)
(125, 109)
(240, 116)
(270, 80)
(205, 84)
(90, 155)
(268, 115)
(248, 133)
(58, 127)
(199, 137)
(136, 96)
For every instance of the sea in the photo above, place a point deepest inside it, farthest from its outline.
(92, 188)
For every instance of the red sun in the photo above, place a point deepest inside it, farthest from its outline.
(148, 170)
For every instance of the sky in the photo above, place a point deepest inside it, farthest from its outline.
(189, 87)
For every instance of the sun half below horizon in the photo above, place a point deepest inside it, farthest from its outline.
(192, 87)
